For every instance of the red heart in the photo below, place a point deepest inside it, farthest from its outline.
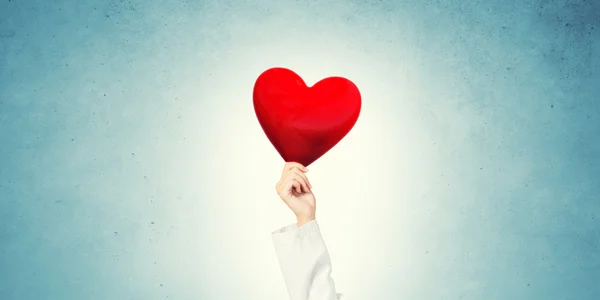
(302, 122)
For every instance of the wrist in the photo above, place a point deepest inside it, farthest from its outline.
(303, 220)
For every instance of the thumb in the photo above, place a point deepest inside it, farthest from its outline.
(285, 191)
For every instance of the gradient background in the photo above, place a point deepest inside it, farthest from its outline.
(133, 167)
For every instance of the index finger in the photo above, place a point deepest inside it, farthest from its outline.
(289, 165)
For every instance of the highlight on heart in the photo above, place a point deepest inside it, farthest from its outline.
(303, 123)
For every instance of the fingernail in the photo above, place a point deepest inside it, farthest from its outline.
(305, 169)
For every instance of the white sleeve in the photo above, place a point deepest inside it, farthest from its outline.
(305, 262)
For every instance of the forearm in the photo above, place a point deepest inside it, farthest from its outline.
(305, 261)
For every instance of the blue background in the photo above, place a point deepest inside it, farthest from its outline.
(128, 148)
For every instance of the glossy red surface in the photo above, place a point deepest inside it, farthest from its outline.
(302, 122)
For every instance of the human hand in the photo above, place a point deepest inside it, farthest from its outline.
(295, 190)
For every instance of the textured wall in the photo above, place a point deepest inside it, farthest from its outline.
(132, 165)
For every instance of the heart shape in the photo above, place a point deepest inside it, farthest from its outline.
(302, 122)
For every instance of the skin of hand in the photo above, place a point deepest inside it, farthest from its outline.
(295, 190)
